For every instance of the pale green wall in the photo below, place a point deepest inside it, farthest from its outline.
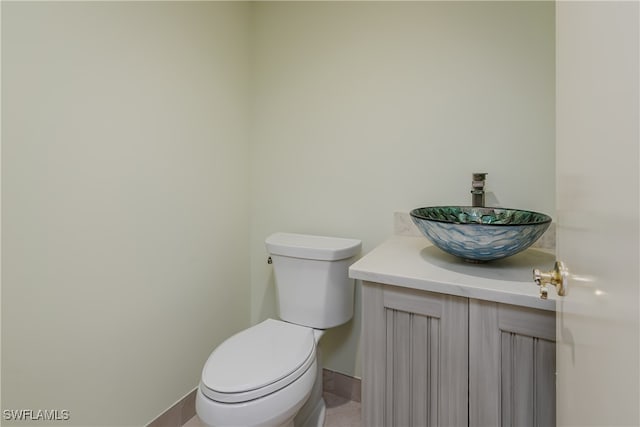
(149, 148)
(362, 109)
(124, 195)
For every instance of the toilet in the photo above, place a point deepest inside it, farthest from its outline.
(270, 374)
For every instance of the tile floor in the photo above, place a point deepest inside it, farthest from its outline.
(341, 412)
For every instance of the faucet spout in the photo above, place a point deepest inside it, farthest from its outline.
(477, 189)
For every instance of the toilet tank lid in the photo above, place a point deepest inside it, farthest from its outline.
(312, 247)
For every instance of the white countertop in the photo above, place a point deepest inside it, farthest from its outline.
(413, 262)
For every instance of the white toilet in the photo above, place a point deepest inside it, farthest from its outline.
(270, 374)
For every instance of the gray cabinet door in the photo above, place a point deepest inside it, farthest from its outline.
(415, 358)
(511, 365)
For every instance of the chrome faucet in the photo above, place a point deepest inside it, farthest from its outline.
(477, 189)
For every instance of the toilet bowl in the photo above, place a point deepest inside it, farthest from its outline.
(269, 374)
(261, 376)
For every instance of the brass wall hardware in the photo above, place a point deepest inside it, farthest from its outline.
(558, 277)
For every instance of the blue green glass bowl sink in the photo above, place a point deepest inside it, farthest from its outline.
(480, 234)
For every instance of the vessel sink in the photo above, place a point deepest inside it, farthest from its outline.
(480, 234)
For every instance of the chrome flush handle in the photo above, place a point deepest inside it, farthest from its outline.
(558, 277)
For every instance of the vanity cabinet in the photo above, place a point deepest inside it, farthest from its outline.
(432, 359)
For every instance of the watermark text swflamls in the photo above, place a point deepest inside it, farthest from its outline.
(36, 414)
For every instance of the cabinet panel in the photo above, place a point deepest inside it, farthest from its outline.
(422, 358)
(484, 366)
(412, 368)
(517, 380)
(399, 339)
(517, 388)
(545, 392)
(528, 381)
(424, 390)
(437, 360)
(374, 354)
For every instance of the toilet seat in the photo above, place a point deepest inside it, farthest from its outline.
(258, 361)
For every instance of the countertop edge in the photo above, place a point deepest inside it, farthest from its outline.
(406, 247)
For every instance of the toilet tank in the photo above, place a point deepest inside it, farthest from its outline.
(312, 278)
